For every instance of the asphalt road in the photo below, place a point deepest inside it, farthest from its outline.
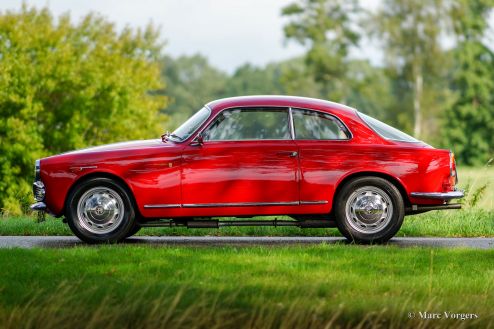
(69, 241)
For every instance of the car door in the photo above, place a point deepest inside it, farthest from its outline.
(247, 158)
(323, 142)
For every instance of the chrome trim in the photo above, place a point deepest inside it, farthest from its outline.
(151, 206)
(283, 108)
(239, 204)
(439, 195)
(38, 206)
(291, 123)
(37, 170)
(81, 168)
(39, 190)
(234, 204)
(194, 134)
(305, 203)
(338, 120)
(211, 119)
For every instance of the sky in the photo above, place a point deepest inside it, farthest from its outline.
(230, 33)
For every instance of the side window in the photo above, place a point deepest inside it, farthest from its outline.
(316, 125)
(250, 124)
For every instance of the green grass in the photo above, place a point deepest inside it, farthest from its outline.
(460, 223)
(228, 287)
(475, 178)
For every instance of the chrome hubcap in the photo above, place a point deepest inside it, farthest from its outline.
(100, 210)
(369, 209)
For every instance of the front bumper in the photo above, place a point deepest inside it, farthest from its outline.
(439, 195)
(38, 206)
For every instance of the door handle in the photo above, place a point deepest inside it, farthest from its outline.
(289, 153)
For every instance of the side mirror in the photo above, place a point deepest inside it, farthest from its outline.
(198, 141)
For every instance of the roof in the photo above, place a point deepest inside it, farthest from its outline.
(277, 100)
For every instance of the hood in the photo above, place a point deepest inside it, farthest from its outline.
(121, 146)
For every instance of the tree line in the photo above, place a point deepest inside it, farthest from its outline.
(441, 94)
(66, 85)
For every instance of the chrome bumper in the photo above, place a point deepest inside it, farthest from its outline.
(38, 206)
(439, 195)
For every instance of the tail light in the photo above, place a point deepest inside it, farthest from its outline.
(452, 168)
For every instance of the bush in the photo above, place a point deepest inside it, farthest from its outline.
(65, 86)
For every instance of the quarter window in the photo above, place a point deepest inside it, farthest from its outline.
(250, 124)
(386, 131)
(312, 125)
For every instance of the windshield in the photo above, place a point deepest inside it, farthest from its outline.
(191, 125)
(386, 131)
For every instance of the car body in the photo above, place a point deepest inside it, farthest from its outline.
(251, 156)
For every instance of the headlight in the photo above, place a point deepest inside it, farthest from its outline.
(37, 170)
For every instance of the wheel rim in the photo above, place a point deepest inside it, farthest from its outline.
(369, 209)
(100, 210)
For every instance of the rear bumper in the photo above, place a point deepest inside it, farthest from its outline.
(439, 195)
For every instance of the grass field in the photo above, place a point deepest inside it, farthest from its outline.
(323, 286)
(254, 287)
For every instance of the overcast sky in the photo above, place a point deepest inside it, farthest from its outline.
(228, 32)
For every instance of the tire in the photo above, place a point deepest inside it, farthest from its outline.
(100, 210)
(369, 210)
(136, 228)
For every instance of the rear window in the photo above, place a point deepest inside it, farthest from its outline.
(387, 131)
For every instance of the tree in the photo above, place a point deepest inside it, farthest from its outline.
(370, 90)
(281, 78)
(469, 125)
(65, 86)
(411, 31)
(191, 82)
(328, 28)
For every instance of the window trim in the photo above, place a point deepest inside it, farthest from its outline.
(195, 133)
(287, 109)
(348, 131)
(211, 119)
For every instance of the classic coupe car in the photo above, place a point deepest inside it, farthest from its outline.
(320, 163)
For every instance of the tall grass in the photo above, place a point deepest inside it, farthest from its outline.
(66, 310)
(255, 287)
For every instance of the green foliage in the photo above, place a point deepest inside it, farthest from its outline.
(65, 86)
(470, 122)
(191, 82)
(410, 31)
(327, 27)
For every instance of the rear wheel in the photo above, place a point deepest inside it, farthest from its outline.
(369, 210)
(99, 210)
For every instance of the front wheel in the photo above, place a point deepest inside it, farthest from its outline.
(99, 210)
(369, 210)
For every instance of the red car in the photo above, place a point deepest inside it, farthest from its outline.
(321, 163)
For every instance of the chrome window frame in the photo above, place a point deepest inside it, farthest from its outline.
(210, 120)
(348, 132)
(285, 108)
(193, 134)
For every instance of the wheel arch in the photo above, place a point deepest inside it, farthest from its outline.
(393, 180)
(103, 174)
